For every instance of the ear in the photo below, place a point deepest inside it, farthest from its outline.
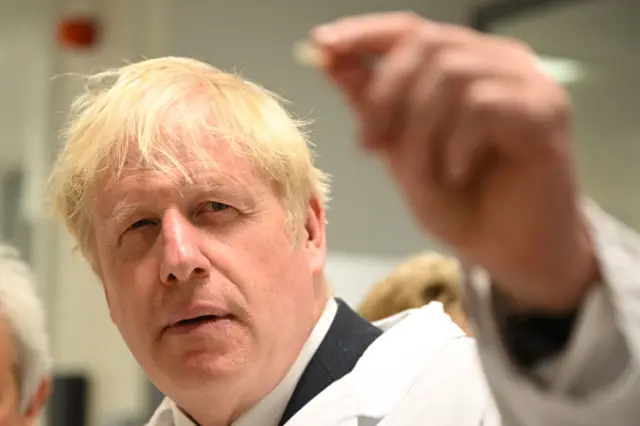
(315, 241)
(38, 401)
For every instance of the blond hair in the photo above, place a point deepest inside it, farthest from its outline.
(417, 281)
(153, 110)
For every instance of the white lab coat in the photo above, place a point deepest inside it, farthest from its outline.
(423, 371)
(596, 380)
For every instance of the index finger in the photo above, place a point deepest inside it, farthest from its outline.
(372, 34)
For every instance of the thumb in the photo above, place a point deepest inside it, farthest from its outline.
(352, 82)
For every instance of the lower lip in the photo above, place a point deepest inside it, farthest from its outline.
(209, 326)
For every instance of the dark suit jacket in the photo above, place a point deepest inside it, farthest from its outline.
(345, 342)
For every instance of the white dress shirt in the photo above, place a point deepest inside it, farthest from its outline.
(270, 409)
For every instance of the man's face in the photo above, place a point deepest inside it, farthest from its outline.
(205, 281)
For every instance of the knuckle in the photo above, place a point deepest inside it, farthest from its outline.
(407, 19)
(548, 104)
(454, 67)
(420, 35)
(519, 45)
(515, 45)
(450, 63)
(378, 97)
(483, 100)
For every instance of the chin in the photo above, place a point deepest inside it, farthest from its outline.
(208, 366)
(205, 360)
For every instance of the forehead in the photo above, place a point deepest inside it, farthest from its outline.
(230, 178)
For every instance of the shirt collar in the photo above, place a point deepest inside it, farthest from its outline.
(270, 409)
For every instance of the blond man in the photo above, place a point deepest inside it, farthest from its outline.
(194, 196)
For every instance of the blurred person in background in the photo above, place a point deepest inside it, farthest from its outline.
(418, 280)
(24, 353)
(193, 195)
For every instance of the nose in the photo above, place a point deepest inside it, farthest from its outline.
(183, 260)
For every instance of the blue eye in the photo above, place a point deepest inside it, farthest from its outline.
(215, 206)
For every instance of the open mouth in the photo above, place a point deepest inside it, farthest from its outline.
(201, 320)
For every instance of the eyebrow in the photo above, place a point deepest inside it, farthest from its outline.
(125, 208)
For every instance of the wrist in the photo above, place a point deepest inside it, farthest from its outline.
(561, 290)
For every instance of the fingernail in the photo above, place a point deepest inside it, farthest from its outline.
(323, 35)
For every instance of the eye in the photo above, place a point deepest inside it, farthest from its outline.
(214, 206)
(141, 223)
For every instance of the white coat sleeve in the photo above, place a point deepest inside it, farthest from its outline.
(595, 380)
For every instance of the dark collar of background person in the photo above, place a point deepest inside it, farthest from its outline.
(347, 339)
(532, 337)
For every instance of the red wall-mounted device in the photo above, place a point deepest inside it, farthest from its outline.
(78, 33)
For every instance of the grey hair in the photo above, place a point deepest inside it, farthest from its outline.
(24, 315)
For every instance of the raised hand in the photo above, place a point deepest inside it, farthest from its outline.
(478, 140)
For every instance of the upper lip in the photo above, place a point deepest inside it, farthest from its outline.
(197, 310)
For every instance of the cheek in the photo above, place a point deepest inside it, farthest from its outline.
(127, 291)
(274, 268)
(264, 242)
(289, 287)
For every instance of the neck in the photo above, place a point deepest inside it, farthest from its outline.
(200, 411)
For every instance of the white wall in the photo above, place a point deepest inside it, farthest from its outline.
(350, 275)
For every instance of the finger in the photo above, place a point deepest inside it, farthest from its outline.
(438, 98)
(470, 140)
(370, 36)
(432, 109)
(512, 120)
(365, 34)
(392, 78)
(383, 102)
(352, 82)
